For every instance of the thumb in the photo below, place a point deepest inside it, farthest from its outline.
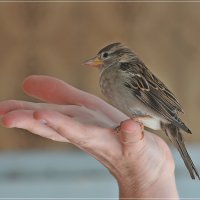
(131, 132)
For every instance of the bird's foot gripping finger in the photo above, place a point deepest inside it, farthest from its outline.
(140, 120)
(142, 127)
(117, 129)
(125, 124)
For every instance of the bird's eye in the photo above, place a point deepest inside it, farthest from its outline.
(105, 55)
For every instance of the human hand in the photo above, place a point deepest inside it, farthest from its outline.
(143, 166)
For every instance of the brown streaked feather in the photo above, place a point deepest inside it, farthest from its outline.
(136, 66)
(152, 92)
(167, 94)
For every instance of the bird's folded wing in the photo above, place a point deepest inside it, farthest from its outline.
(154, 94)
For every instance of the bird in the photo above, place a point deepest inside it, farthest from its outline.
(132, 88)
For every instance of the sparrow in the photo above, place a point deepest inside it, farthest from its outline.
(133, 89)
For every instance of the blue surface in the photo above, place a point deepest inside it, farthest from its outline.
(59, 174)
(54, 175)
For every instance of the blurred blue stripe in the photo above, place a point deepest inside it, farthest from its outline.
(61, 174)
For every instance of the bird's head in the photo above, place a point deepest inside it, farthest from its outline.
(109, 55)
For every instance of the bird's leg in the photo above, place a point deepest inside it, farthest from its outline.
(117, 129)
(138, 120)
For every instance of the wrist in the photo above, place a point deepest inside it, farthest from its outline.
(141, 186)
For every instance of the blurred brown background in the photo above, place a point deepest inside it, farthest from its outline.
(55, 38)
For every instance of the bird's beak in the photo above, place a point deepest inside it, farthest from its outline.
(94, 62)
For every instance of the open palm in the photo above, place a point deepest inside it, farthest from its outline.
(71, 115)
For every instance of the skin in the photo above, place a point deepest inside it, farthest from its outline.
(142, 164)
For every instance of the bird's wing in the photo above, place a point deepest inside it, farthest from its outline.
(152, 92)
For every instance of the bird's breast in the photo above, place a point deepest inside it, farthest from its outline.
(113, 88)
(110, 84)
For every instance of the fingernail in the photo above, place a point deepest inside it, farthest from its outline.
(6, 123)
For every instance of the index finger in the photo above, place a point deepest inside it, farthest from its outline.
(53, 90)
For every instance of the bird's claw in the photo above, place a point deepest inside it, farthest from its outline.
(118, 128)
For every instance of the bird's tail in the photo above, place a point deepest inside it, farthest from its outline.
(176, 138)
